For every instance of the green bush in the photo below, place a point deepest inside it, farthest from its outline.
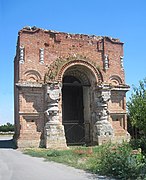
(139, 143)
(7, 127)
(118, 161)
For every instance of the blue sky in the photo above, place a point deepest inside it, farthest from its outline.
(123, 19)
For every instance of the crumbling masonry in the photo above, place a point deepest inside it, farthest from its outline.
(69, 89)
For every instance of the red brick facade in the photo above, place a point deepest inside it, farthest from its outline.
(44, 57)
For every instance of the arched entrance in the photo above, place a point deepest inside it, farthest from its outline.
(72, 110)
(77, 93)
(75, 106)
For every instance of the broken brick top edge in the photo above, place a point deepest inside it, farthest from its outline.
(34, 29)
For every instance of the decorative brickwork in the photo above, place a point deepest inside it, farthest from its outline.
(57, 69)
(69, 89)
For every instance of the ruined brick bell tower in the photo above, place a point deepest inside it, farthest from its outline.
(69, 89)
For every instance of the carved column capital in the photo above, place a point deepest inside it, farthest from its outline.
(54, 91)
(103, 93)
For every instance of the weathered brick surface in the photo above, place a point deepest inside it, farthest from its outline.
(30, 102)
(63, 45)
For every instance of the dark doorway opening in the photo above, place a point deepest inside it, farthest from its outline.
(72, 110)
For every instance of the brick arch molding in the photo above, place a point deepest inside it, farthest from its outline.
(94, 70)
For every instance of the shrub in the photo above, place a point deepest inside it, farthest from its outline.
(118, 161)
(139, 143)
(7, 127)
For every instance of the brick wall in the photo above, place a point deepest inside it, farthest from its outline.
(40, 48)
(62, 45)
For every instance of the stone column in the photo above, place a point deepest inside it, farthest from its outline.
(54, 130)
(103, 130)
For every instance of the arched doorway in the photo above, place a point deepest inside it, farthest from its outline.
(77, 96)
(72, 110)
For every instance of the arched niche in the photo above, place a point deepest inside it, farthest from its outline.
(115, 80)
(32, 76)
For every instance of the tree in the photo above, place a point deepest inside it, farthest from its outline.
(137, 107)
(7, 127)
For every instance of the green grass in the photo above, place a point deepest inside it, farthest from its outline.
(74, 156)
(111, 159)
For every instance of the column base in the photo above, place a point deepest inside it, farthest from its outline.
(55, 136)
(103, 132)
